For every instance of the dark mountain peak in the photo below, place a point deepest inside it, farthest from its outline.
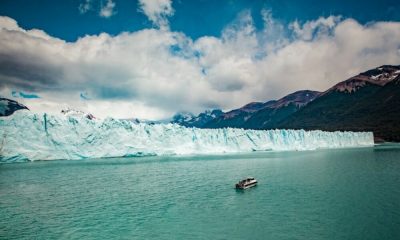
(246, 109)
(299, 98)
(258, 115)
(253, 106)
(212, 113)
(350, 85)
(256, 106)
(188, 119)
(217, 111)
(378, 76)
(371, 103)
(389, 69)
(382, 74)
(181, 117)
(8, 106)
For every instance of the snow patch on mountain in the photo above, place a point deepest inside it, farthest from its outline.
(190, 120)
(379, 76)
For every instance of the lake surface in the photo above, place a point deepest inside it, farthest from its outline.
(324, 194)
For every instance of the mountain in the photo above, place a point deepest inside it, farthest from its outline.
(205, 117)
(236, 117)
(369, 101)
(190, 120)
(272, 114)
(8, 107)
(264, 115)
(182, 118)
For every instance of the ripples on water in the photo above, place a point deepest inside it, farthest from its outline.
(327, 194)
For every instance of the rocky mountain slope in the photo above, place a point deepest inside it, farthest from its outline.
(369, 101)
(190, 120)
(264, 115)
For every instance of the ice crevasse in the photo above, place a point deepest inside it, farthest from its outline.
(26, 136)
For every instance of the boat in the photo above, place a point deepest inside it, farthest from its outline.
(246, 183)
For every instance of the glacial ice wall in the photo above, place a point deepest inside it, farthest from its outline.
(28, 136)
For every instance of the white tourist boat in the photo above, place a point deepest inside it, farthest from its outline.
(246, 183)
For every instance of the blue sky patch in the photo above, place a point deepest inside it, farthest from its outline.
(194, 18)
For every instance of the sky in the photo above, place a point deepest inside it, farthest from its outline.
(149, 59)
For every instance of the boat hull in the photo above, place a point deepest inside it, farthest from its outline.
(242, 187)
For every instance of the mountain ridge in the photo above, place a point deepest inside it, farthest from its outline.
(367, 101)
(243, 118)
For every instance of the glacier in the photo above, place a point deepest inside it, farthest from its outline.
(27, 136)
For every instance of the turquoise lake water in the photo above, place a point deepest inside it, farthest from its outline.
(323, 194)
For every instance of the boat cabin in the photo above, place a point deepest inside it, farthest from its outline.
(246, 183)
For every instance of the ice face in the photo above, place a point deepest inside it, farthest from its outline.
(28, 136)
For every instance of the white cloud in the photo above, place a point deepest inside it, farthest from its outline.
(157, 11)
(313, 29)
(85, 6)
(153, 73)
(9, 24)
(274, 35)
(107, 10)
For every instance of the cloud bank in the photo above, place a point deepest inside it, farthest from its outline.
(153, 73)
